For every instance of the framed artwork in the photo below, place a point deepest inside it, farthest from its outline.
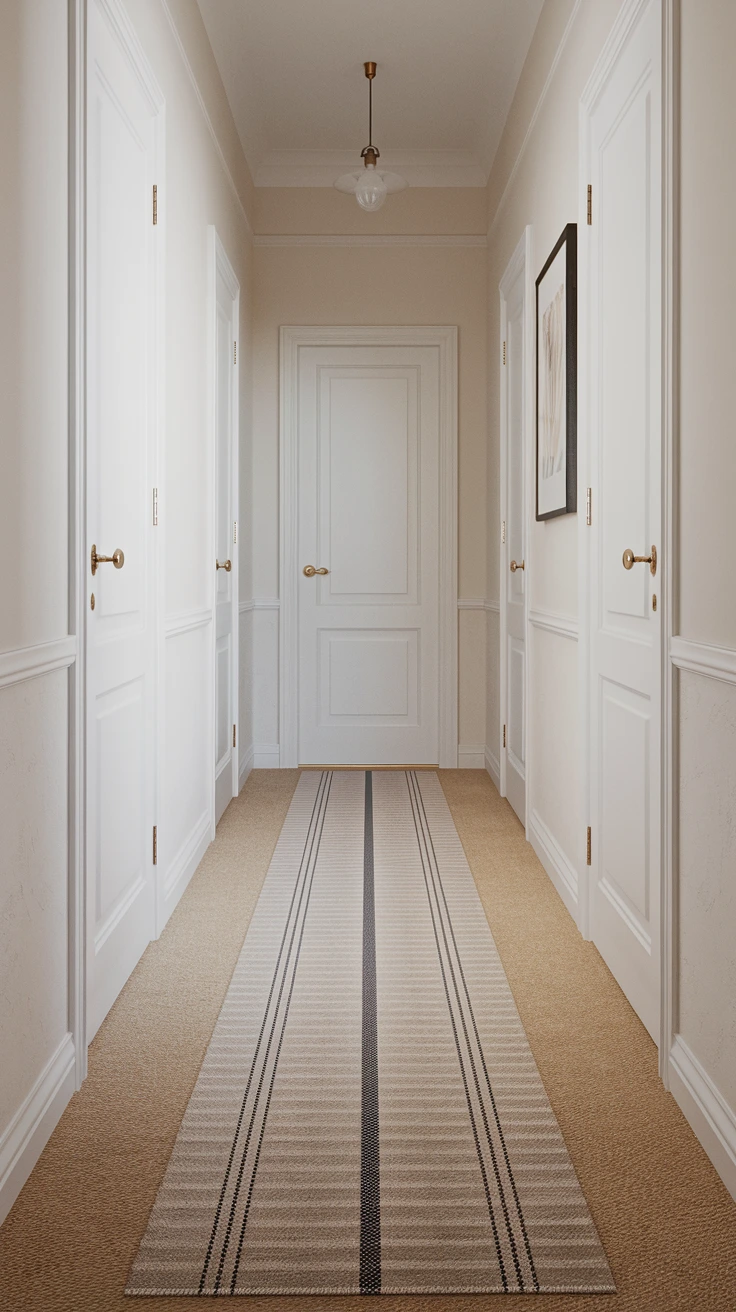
(557, 356)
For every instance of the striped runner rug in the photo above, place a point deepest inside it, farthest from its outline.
(369, 1117)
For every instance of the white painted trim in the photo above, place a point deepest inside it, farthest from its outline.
(670, 521)
(26, 1136)
(461, 241)
(471, 756)
(266, 756)
(705, 1109)
(245, 607)
(471, 603)
(535, 115)
(77, 568)
(700, 658)
(30, 662)
(564, 625)
(268, 603)
(494, 768)
(493, 607)
(186, 621)
(444, 338)
(320, 168)
(558, 865)
(246, 765)
(521, 263)
(208, 121)
(180, 870)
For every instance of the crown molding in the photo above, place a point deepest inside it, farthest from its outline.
(320, 168)
(361, 239)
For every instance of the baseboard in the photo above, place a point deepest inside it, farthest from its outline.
(493, 766)
(183, 867)
(246, 765)
(35, 1121)
(471, 757)
(266, 756)
(706, 1111)
(560, 869)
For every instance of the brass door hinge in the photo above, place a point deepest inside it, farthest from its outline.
(587, 848)
(235, 352)
(155, 203)
(590, 204)
(504, 735)
(234, 735)
(504, 352)
(155, 507)
(155, 845)
(589, 506)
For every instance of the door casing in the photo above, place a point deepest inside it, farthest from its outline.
(521, 260)
(292, 339)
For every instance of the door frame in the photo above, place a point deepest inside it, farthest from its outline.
(219, 262)
(291, 340)
(667, 593)
(78, 56)
(522, 259)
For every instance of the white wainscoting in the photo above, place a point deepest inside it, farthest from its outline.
(266, 624)
(705, 1109)
(245, 697)
(186, 826)
(560, 869)
(39, 1054)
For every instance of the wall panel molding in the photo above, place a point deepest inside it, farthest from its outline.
(186, 621)
(35, 1120)
(30, 662)
(566, 626)
(493, 766)
(467, 241)
(701, 658)
(559, 867)
(705, 1109)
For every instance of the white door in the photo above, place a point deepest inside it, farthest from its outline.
(514, 565)
(368, 516)
(624, 418)
(121, 437)
(225, 416)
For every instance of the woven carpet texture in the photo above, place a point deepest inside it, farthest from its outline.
(666, 1221)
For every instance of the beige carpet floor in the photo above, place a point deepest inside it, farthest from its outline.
(667, 1222)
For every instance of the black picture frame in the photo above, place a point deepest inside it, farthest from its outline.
(559, 487)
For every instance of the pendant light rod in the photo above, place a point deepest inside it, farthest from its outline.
(370, 154)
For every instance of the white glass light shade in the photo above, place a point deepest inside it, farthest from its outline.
(370, 191)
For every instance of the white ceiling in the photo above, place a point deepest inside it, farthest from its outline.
(293, 72)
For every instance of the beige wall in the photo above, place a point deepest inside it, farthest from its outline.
(537, 183)
(707, 561)
(374, 285)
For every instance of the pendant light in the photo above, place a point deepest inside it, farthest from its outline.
(369, 185)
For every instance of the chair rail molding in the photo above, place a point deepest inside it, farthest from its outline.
(566, 626)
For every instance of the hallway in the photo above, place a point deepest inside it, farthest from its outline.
(666, 1221)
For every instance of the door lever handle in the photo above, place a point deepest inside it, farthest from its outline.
(226, 564)
(310, 571)
(117, 559)
(630, 560)
(514, 566)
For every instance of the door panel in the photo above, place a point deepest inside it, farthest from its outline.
(368, 439)
(224, 365)
(624, 254)
(121, 407)
(514, 583)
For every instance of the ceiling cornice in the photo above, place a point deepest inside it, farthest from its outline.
(320, 168)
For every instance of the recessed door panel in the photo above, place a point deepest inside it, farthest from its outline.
(369, 677)
(625, 719)
(120, 855)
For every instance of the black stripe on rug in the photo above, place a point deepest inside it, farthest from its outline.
(370, 1177)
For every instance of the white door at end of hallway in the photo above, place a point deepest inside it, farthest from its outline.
(121, 709)
(514, 578)
(225, 403)
(368, 508)
(624, 416)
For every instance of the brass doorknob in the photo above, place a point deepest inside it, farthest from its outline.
(514, 566)
(630, 560)
(117, 559)
(226, 564)
(310, 571)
